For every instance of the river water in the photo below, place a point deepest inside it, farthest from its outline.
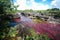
(52, 30)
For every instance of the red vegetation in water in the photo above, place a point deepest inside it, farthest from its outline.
(17, 19)
(52, 30)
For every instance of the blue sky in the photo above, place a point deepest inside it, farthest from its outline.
(37, 4)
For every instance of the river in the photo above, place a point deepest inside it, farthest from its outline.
(52, 30)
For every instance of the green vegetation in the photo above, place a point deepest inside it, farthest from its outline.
(5, 17)
(35, 36)
(54, 12)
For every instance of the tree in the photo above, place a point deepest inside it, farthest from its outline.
(57, 16)
(31, 10)
(5, 6)
(54, 11)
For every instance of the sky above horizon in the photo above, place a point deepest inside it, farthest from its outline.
(37, 4)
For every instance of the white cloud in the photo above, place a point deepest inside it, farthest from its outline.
(22, 5)
(55, 3)
(36, 6)
(44, 0)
